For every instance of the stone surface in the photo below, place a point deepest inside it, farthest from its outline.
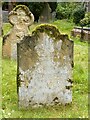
(5, 16)
(77, 32)
(21, 18)
(45, 62)
(53, 15)
(46, 15)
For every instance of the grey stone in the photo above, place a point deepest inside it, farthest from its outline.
(45, 62)
(21, 18)
(46, 15)
(77, 32)
(5, 16)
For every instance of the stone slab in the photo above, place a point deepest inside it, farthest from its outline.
(45, 62)
(20, 18)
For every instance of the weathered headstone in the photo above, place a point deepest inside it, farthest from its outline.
(46, 14)
(21, 18)
(45, 62)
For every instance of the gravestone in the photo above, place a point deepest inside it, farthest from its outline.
(21, 18)
(46, 14)
(45, 62)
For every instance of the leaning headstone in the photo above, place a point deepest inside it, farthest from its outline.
(45, 62)
(21, 18)
(46, 14)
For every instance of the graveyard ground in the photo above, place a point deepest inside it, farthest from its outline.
(79, 106)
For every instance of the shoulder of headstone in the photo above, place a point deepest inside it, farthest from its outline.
(51, 30)
(5, 37)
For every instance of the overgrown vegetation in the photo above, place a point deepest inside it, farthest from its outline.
(78, 14)
(0, 77)
(86, 20)
(64, 10)
(79, 106)
(72, 11)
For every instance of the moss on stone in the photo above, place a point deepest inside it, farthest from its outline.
(14, 11)
(51, 30)
(23, 7)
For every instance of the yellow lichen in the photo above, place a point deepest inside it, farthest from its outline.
(51, 30)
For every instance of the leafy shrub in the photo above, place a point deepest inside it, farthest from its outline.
(78, 14)
(61, 12)
(64, 10)
(85, 21)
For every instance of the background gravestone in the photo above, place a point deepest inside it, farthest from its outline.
(21, 18)
(46, 14)
(45, 62)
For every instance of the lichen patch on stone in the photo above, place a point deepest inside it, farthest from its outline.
(51, 30)
(45, 59)
(21, 18)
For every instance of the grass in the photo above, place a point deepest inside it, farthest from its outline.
(6, 28)
(0, 76)
(64, 26)
(79, 106)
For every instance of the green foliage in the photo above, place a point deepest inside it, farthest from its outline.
(64, 26)
(78, 14)
(61, 12)
(69, 10)
(86, 20)
(0, 76)
(6, 28)
(64, 10)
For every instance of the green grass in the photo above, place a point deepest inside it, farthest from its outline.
(79, 106)
(6, 28)
(64, 26)
(0, 76)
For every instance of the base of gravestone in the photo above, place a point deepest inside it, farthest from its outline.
(20, 18)
(43, 106)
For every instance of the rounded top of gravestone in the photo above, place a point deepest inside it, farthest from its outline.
(21, 15)
(51, 30)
